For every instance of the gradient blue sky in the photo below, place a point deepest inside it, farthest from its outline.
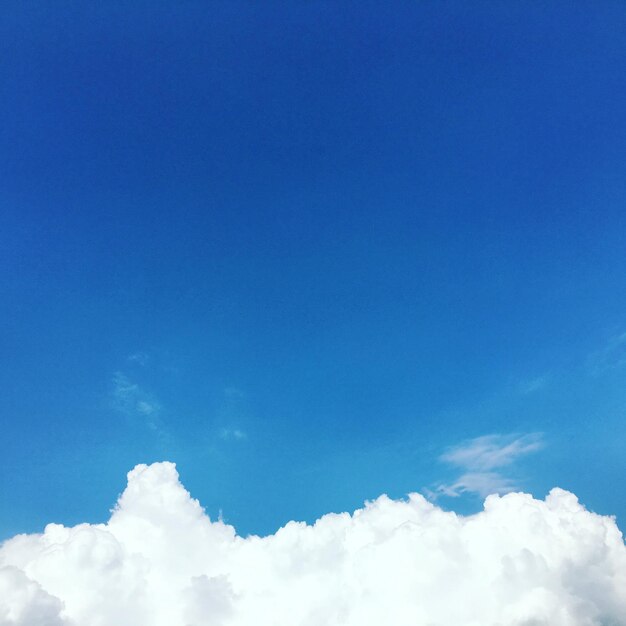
(301, 249)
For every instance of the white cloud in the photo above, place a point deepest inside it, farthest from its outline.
(482, 460)
(24, 603)
(492, 451)
(160, 561)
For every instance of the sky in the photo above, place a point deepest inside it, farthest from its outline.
(311, 252)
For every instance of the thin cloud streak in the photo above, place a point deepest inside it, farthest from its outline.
(528, 387)
(134, 401)
(128, 397)
(482, 460)
(140, 358)
(611, 356)
(233, 434)
(492, 451)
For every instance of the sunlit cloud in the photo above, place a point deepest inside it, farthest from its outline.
(160, 561)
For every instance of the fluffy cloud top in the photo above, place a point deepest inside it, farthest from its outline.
(160, 561)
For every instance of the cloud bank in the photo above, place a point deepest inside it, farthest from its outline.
(160, 561)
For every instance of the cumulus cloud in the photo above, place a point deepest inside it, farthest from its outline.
(24, 603)
(160, 561)
(482, 460)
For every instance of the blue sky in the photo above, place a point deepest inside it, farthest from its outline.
(311, 252)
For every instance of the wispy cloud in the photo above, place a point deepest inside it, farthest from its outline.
(611, 356)
(131, 399)
(482, 462)
(479, 483)
(233, 414)
(233, 392)
(526, 387)
(492, 451)
(140, 358)
(232, 434)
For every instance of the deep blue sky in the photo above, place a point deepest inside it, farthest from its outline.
(302, 248)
